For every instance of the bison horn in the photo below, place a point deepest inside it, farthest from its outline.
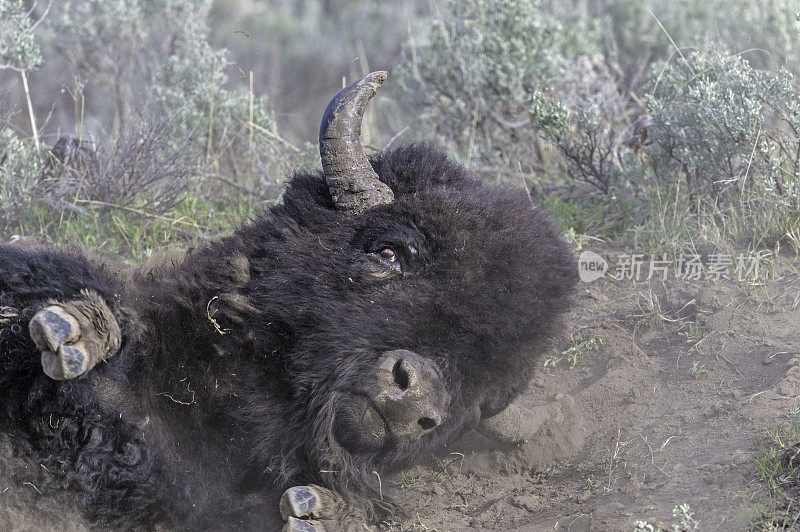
(353, 184)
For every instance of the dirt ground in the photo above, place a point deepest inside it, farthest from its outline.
(686, 377)
(646, 432)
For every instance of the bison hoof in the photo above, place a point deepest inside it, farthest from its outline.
(316, 509)
(73, 337)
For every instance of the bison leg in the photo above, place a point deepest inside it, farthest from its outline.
(517, 423)
(74, 336)
(316, 509)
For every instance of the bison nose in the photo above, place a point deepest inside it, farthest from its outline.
(411, 396)
(406, 378)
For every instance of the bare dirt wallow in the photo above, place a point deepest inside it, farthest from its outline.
(646, 433)
(667, 411)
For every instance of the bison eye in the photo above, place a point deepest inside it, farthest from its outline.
(388, 254)
(388, 263)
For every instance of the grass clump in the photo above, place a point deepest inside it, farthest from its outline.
(777, 462)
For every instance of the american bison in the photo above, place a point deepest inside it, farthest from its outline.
(383, 309)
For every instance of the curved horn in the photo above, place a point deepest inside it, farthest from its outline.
(353, 184)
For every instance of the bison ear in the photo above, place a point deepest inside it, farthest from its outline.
(306, 200)
(353, 184)
(419, 166)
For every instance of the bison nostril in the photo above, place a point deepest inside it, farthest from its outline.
(427, 423)
(400, 375)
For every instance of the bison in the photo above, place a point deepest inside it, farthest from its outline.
(383, 309)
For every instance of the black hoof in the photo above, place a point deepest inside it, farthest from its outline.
(56, 333)
(300, 501)
(74, 336)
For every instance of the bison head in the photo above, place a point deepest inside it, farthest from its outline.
(403, 301)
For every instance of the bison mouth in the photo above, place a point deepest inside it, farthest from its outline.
(406, 400)
(359, 427)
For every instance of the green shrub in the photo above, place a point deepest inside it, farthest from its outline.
(719, 123)
(635, 40)
(18, 45)
(480, 77)
(161, 118)
(155, 62)
(593, 103)
(596, 140)
(20, 176)
(20, 162)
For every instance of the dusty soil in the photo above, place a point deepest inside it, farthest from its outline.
(633, 433)
(644, 434)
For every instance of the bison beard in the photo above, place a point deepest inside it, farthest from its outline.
(373, 317)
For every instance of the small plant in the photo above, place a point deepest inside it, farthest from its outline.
(644, 526)
(20, 162)
(697, 370)
(636, 38)
(777, 461)
(694, 334)
(601, 133)
(20, 175)
(408, 479)
(575, 239)
(683, 512)
(577, 353)
(158, 62)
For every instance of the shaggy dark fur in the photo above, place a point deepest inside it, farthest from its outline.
(238, 360)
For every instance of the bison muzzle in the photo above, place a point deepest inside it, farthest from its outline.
(405, 399)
